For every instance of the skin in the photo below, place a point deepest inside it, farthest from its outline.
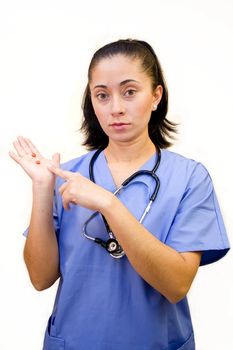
(41, 245)
(123, 99)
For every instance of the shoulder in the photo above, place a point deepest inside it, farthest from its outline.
(175, 162)
(184, 172)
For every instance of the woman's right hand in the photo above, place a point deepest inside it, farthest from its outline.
(33, 163)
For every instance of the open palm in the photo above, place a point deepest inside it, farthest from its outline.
(32, 162)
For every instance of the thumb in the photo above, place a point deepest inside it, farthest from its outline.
(56, 159)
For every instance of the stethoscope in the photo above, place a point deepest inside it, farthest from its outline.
(111, 245)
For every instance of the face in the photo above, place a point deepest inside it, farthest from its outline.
(122, 98)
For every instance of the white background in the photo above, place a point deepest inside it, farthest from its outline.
(45, 49)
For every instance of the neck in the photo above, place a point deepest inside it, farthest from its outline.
(129, 151)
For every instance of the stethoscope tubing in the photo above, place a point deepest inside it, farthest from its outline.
(112, 242)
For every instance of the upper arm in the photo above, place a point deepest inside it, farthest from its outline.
(198, 224)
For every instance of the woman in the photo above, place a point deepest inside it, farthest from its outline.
(132, 294)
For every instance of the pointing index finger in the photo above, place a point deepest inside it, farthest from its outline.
(64, 174)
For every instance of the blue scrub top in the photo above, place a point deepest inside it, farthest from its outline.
(102, 303)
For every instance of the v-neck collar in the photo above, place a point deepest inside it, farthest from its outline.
(104, 177)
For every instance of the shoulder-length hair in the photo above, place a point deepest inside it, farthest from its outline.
(160, 129)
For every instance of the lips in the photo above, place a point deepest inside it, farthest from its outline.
(119, 124)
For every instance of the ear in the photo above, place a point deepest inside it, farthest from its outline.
(157, 95)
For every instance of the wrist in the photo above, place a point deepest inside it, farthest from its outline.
(42, 188)
(108, 204)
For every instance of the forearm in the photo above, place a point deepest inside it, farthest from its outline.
(41, 248)
(161, 266)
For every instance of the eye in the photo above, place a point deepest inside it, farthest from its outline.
(130, 92)
(101, 96)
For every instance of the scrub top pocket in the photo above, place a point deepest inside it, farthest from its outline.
(53, 343)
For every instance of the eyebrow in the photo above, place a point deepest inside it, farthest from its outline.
(124, 82)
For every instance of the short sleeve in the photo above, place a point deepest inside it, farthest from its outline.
(55, 218)
(198, 224)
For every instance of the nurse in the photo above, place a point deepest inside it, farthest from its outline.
(135, 301)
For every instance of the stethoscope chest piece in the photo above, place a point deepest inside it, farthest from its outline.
(112, 245)
(114, 248)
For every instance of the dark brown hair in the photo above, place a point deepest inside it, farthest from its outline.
(160, 129)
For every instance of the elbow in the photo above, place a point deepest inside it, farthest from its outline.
(41, 278)
(41, 285)
(177, 295)
(175, 299)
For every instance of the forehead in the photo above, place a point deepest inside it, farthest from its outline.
(117, 68)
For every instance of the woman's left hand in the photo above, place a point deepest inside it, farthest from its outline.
(77, 189)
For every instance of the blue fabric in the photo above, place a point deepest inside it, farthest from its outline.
(102, 303)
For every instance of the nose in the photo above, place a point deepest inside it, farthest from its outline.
(117, 107)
